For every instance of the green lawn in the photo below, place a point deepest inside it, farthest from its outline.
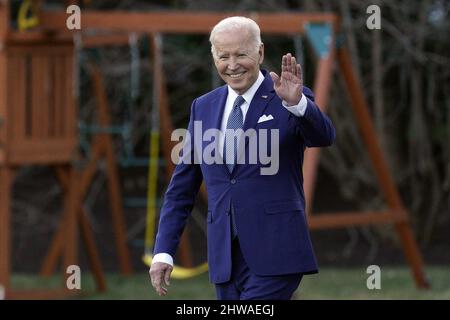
(330, 283)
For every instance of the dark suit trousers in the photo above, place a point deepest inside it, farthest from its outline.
(244, 285)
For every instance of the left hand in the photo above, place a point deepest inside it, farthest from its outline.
(160, 277)
(289, 86)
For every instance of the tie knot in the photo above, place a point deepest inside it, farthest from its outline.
(239, 101)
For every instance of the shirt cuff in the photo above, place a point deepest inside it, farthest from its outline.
(163, 257)
(298, 109)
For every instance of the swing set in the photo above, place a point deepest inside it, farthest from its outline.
(322, 32)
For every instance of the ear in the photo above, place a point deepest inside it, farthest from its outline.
(261, 53)
(214, 59)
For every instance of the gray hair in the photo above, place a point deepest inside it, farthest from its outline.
(233, 24)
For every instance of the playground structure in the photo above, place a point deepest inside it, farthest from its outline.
(38, 111)
(34, 130)
(50, 136)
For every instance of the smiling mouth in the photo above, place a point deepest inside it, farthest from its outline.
(236, 75)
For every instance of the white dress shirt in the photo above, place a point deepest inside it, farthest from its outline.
(298, 110)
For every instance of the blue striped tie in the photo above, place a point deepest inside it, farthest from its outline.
(230, 148)
(235, 121)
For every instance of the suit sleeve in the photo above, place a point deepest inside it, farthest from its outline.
(314, 126)
(180, 196)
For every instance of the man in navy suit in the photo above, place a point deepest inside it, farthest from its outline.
(258, 239)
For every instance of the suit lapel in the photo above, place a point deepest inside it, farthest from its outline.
(259, 103)
(218, 106)
(217, 109)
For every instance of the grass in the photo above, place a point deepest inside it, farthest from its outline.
(396, 283)
(330, 283)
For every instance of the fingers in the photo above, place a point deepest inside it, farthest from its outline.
(156, 277)
(289, 64)
(293, 66)
(167, 276)
(160, 272)
(299, 72)
(284, 63)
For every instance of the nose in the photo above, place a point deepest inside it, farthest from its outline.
(233, 64)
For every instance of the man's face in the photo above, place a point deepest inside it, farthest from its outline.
(237, 59)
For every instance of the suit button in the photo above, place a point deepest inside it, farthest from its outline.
(233, 181)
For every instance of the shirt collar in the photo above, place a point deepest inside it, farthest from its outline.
(248, 95)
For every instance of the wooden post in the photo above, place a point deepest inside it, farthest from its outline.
(385, 180)
(5, 172)
(4, 24)
(71, 203)
(6, 175)
(116, 206)
(92, 253)
(322, 84)
(56, 247)
(113, 175)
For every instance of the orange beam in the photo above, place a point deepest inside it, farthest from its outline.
(56, 247)
(403, 228)
(345, 219)
(116, 204)
(162, 98)
(412, 253)
(92, 252)
(4, 24)
(6, 179)
(3, 107)
(37, 37)
(322, 83)
(71, 201)
(182, 22)
(360, 110)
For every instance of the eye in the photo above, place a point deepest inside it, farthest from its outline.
(223, 58)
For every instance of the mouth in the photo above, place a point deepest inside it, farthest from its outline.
(236, 75)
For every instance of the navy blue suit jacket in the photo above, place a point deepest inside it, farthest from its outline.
(269, 209)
